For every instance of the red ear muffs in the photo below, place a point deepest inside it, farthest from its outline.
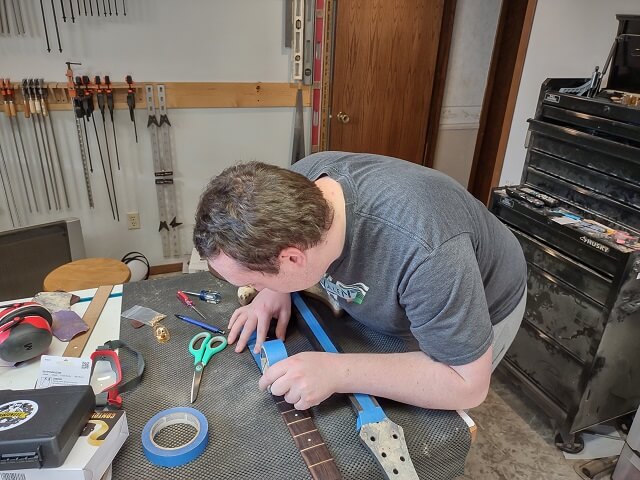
(25, 331)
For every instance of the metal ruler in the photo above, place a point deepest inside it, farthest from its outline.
(163, 171)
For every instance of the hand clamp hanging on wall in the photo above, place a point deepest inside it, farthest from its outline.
(163, 171)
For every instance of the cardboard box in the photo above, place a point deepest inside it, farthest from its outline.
(92, 454)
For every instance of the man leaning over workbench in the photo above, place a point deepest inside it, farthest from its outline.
(405, 250)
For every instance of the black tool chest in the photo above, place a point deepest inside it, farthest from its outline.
(578, 350)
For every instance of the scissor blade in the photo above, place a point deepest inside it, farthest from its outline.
(195, 385)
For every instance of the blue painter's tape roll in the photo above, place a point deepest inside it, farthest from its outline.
(174, 457)
(272, 352)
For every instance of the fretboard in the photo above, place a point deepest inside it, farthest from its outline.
(308, 440)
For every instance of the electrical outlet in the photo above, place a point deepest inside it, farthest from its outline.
(133, 220)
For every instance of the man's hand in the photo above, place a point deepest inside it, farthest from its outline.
(257, 316)
(304, 379)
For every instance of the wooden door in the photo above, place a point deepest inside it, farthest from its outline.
(386, 57)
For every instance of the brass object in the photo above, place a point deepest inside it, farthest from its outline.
(162, 333)
(343, 117)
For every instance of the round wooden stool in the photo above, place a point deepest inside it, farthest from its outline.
(87, 273)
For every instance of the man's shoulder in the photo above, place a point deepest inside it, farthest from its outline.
(314, 165)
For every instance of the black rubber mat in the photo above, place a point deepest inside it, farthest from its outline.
(247, 437)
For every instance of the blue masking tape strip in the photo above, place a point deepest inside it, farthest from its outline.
(174, 457)
(370, 413)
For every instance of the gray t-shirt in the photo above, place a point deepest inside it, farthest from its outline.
(423, 259)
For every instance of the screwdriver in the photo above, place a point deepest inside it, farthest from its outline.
(208, 296)
(188, 302)
(197, 323)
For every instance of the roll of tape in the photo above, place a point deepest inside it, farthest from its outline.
(173, 457)
(272, 352)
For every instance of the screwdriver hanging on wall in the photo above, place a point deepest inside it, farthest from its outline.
(88, 106)
(73, 18)
(26, 93)
(55, 22)
(109, 94)
(64, 15)
(131, 101)
(44, 23)
(80, 110)
(100, 95)
(33, 86)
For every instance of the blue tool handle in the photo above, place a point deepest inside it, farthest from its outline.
(198, 323)
(366, 406)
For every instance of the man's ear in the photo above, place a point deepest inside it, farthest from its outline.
(292, 256)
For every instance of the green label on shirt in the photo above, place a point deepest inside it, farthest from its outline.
(353, 293)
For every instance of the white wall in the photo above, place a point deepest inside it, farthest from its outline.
(194, 40)
(569, 38)
(469, 59)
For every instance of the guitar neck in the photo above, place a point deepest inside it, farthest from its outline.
(309, 442)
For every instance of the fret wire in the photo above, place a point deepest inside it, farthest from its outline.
(314, 430)
(320, 463)
(314, 446)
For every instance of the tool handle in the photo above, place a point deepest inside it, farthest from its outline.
(43, 106)
(184, 299)
(26, 108)
(131, 102)
(200, 324)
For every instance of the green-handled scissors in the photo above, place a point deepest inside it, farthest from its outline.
(202, 355)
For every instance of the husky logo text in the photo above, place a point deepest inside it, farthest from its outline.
(353, 293)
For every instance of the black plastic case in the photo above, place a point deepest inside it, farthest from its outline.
(38, 428)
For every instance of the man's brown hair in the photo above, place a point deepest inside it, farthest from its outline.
(252, 211)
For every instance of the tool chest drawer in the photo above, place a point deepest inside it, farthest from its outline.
(571, 318)
(550, 368)
(513, 212)
(597, 108)
(575, 274)
(592, 124)
(624, 192)
(606, 156)
(590, 200)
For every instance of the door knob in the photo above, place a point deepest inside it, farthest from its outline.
(343, 117)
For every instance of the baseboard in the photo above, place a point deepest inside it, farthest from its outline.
(166, 268)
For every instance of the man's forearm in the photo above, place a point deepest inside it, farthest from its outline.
(411, 378)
